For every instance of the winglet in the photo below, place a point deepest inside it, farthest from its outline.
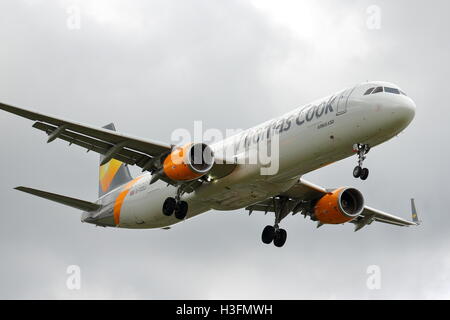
(414, 213)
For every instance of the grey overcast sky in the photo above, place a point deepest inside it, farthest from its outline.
(154, 66)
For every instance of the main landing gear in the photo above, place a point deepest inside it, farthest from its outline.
(274, 233)
(175, 205)
(359, 171)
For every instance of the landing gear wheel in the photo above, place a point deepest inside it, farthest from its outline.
(268, 234)
(169, 206)
(181, 210)
(364, 174)
(357, 171)
(280, 238)
(362, 150)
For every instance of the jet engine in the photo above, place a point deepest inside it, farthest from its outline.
(340, 206)
(189, 162)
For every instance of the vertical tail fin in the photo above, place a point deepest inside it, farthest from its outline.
(113, 173)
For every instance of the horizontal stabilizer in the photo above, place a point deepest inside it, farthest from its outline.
(71, 202)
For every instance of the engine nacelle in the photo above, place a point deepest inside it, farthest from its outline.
(340, 206)
(188, 163)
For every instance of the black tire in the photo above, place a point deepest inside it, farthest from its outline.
(169, 206)
(280, 238)
(268, 234)
(181, 210)
(357, 172)
(364, 174)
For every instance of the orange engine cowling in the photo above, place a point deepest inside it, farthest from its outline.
(189, 162)
(340, 206)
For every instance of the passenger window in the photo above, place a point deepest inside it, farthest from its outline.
(378, 89)
(391, 90)
(369, 91)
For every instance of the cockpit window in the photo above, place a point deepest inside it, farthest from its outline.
(369, 91)
(391, 90)
(378, 89)
(385, 89)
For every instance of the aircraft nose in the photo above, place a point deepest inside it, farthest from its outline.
(401, 113)
(407, 110)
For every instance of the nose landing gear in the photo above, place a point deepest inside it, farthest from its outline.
(359, 171)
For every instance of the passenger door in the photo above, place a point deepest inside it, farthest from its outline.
(342, 101)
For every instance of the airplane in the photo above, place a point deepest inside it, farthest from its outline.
(182, 181)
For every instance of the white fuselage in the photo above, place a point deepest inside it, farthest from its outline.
(310, 137)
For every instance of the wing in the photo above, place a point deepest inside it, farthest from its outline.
(303, 195)
(131, 150)
(128, 149)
